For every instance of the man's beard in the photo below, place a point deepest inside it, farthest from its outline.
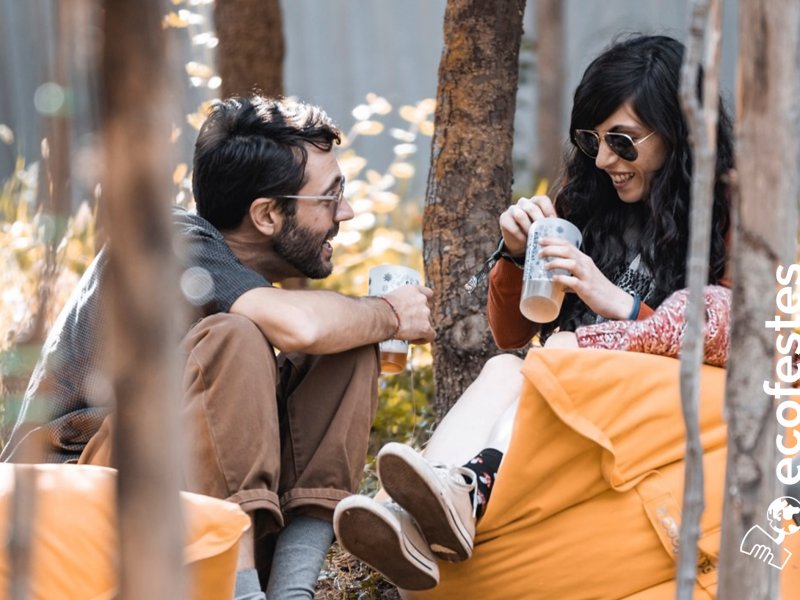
(302, 248)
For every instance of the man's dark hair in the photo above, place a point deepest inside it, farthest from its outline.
(251, 148)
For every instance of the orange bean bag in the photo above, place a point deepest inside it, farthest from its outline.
(75, 540)
(587, 500)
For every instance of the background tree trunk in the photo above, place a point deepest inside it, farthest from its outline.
(765, 221)
(549, 87)
(469, 183)
(251, 47)
(141, 300)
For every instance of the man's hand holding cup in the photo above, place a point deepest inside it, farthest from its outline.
(400, 287)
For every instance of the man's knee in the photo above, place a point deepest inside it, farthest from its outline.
(228, 329)
(224, 333)
(368, 356)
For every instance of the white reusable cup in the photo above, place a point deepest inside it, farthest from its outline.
(541, 298)
(382, 280)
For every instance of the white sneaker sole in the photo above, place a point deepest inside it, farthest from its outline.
(371, 533)
(408, 479)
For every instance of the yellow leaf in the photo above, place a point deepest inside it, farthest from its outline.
(379, 104)
(347, 238)
(351, 165)
(179, 173)
(373, 177)
(362, 112)
(405, 149)
(426, 128)
(402, 135)
(190, 17)
(173, 20)
(409, 113)
(402, 170)
(427, 106)
(362, 222)
(384, 202)
(361, 205)
(195, 120)
(175, 133)
(6, 135)
(368, 127)
(197, 69)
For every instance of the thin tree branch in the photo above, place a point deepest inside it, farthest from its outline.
(704, 44)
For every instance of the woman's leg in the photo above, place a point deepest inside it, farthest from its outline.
(481, 416)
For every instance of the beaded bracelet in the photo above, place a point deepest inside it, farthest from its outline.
(637, 304)
(396, 316)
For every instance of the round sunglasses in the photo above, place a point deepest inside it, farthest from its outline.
(620, 144)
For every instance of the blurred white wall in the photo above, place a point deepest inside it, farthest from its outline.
(339, 50)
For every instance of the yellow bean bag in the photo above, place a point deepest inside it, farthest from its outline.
(587, 501)
(75, 539)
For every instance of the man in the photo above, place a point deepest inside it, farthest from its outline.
(284, 437)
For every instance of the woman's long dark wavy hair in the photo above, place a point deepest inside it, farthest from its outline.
(644, 71)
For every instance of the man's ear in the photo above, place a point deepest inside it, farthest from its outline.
(265, 215)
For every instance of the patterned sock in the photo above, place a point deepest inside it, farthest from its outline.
(485, 465)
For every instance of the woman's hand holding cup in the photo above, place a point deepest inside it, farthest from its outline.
(517, 219)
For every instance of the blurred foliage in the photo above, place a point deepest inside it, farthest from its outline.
(37, 274)
(387, 228)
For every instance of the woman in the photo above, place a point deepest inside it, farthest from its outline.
(627, 187)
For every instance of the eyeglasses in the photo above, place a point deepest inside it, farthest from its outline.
(620, 144)
(334, 199)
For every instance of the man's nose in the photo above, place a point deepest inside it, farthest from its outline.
(344, 212)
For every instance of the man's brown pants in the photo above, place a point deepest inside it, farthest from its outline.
(281, 435)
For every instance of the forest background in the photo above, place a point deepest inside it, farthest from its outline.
(48, 122)
(371, 65)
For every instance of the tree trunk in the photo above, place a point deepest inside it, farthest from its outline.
(703, 50)
(549, 87)
(470, 178)
(251, 47)
(141, 300)
(765, 221)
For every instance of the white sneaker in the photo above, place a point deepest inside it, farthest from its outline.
(436, 495)
(384, 536)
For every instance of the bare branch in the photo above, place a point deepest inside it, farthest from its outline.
(702, 122)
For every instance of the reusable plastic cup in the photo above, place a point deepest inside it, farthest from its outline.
(382, 280)
(541, 298)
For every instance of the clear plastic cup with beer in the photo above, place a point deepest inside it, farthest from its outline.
(382, 280)
(541, 297)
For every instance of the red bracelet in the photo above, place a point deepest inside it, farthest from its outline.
(396, 315)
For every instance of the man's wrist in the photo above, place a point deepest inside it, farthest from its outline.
(395, 316)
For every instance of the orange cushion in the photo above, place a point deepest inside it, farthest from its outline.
(75, 539)
(587, 501)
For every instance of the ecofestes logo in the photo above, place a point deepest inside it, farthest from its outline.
(783, 514)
